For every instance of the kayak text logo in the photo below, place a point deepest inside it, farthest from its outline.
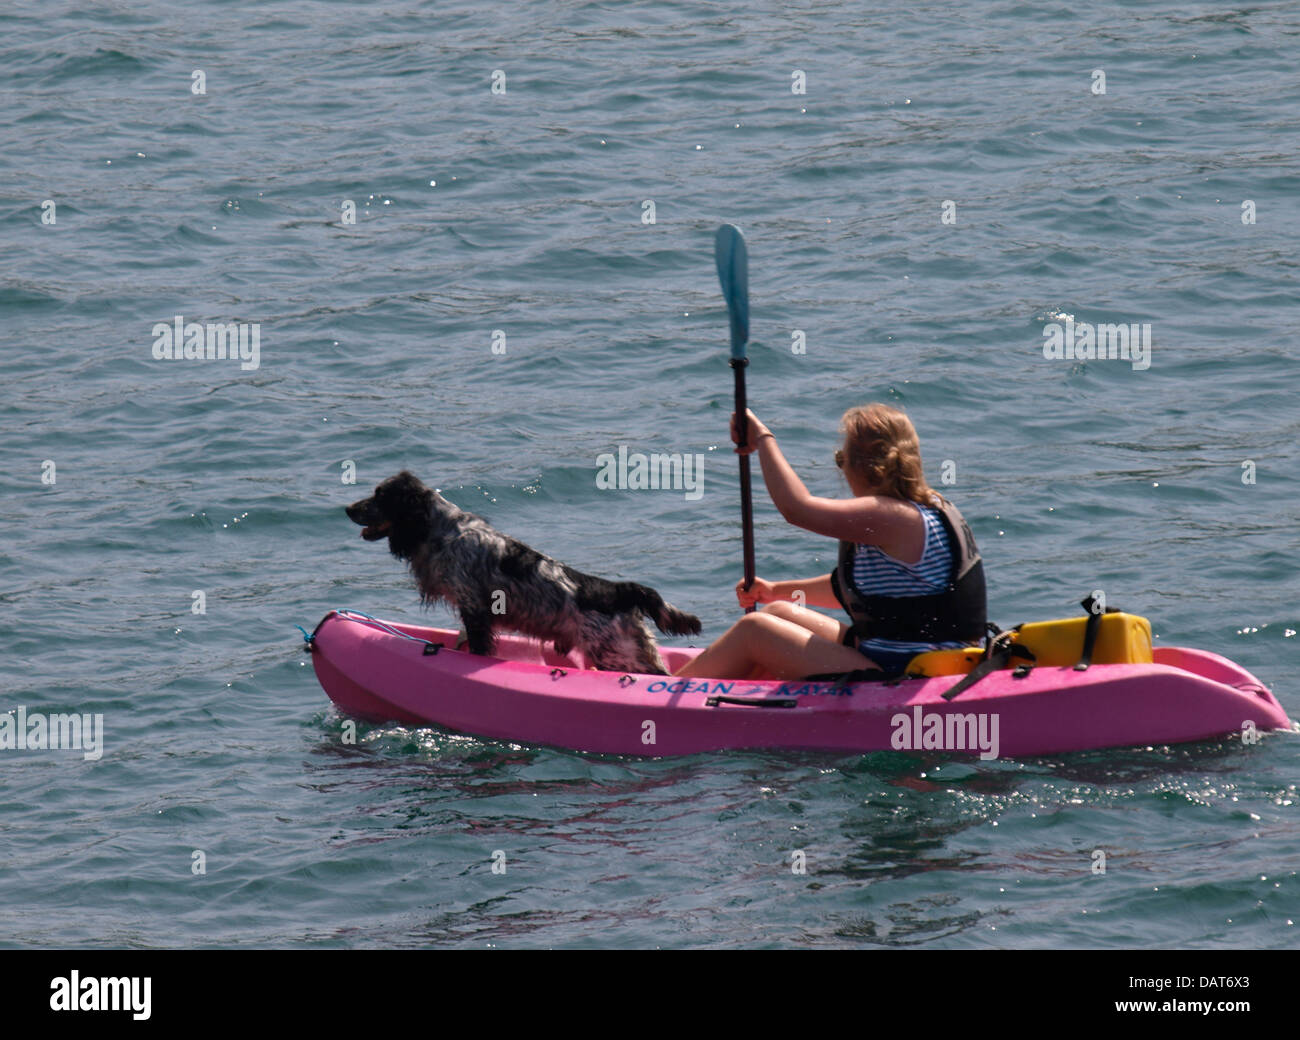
(635, 471)
(61, 732)
(945, 731)
(211, 341)
(95, 994)
(1108, 342)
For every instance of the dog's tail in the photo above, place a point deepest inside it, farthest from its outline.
(665, 615)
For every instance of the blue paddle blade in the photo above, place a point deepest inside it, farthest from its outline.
(732, 258)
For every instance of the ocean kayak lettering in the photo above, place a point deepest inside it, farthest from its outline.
(714, 688)
(945, 731)
(687, 686)
(813, 690)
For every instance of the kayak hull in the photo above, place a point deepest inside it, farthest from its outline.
(383, 672)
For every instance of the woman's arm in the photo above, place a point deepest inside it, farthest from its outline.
(868, 519)
(816, 591)
(812, 592)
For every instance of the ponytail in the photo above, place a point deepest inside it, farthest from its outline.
(881, 446)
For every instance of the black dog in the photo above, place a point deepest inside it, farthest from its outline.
(494, 581)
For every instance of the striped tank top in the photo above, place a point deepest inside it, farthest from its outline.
(879, 574)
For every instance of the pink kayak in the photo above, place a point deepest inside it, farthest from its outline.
(380, 671)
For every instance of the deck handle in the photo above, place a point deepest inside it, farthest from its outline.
(753, 702)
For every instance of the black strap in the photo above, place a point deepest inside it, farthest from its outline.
(1091, 631)
(998, 659)
(991, 633)
(837, 591)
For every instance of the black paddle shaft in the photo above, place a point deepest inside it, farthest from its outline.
(738, 366)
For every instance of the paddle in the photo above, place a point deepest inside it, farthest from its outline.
(733, 272)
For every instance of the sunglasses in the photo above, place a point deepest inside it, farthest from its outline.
(839, 457)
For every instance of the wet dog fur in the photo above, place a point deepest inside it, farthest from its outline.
(495, 582)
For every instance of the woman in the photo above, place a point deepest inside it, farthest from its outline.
(909, 573)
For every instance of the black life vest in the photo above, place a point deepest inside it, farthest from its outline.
(958, 613)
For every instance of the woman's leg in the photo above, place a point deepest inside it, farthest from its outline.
(781, 648)
(819, 624)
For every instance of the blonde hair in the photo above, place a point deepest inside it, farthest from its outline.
(881, 446)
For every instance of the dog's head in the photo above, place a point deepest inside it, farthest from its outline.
(401, 510)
